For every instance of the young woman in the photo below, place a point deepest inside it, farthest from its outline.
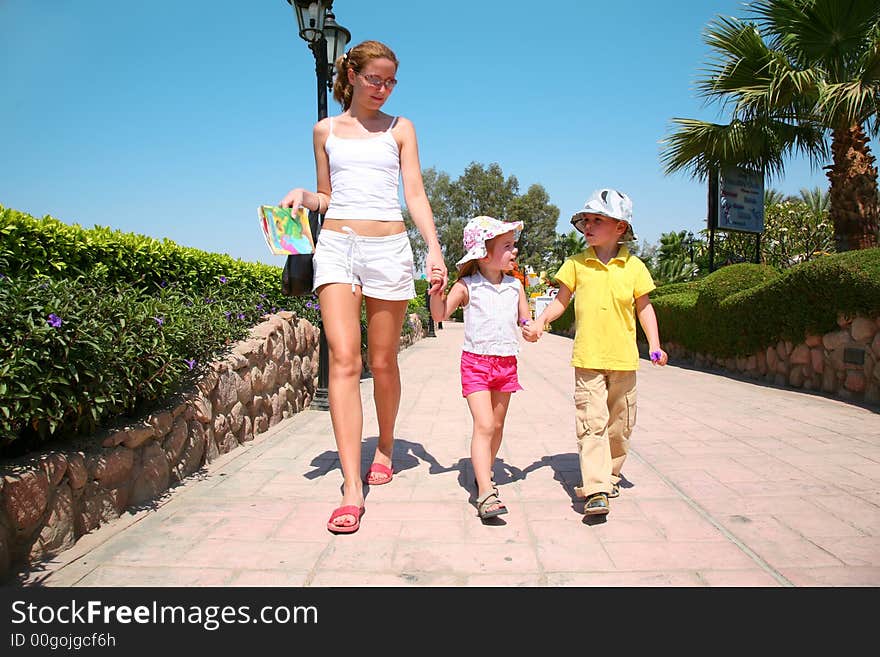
(363, 254)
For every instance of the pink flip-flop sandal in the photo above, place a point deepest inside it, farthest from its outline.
(348, 510)
(379, 469)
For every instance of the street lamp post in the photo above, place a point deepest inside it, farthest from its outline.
(430, 333)
(327, 40)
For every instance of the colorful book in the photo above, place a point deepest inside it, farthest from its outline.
(286, 231)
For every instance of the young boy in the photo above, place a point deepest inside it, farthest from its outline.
(612, 287)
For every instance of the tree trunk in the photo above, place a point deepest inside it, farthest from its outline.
(853, 199)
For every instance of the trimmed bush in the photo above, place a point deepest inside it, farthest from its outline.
(806, 298)
(32, 247)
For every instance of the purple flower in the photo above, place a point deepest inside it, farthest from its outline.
(241, 315)
(209, 300)
(227, 313)
(260, 307)
(308, 304)
(159, 320)
(274, 309)
(223, 279)
(190, 362)
(317, 306)
(54, 320)
(2, 276)
(263, 295)
(163, 284)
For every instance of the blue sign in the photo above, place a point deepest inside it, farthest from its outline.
(740, 200)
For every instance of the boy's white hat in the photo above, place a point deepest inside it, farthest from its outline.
(610, 203)
(481, 229)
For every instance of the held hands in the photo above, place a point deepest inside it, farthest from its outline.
(532, 330)
(439, 277)
(658, 357)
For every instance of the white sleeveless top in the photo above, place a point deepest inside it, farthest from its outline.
(364, 176)
(490, 317)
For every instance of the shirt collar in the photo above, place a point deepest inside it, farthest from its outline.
(622, 254)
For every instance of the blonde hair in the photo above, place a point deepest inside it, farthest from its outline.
(356, 59)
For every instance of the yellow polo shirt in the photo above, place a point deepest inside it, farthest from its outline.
(604, 308)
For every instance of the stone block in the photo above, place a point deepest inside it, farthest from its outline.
(111, 468)
(25, 498)
(863, 330)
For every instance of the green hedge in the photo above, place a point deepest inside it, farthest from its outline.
(49, 247)
(743, 308)
(563, 323)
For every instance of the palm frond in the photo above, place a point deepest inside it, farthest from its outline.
(849, 103)
(698, 147)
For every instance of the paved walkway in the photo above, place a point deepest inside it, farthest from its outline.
(729, 483)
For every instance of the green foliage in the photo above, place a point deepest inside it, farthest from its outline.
(97, 323)
(743, 308)
(675, 257)
(674, 288)
(564, 322)
(726, 281)
(484, 190)
(565, 245)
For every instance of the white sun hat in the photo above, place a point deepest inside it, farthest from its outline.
(481, 229)
(609, 203)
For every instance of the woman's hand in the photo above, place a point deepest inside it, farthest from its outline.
(293, 199)
(438, 274)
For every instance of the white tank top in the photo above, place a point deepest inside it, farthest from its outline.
(364, 176)
(490, 317)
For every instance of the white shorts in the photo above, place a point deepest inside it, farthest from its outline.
(382, 266)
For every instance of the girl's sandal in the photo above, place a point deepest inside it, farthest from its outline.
(487, 500)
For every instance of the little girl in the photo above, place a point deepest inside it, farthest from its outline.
(494, 304)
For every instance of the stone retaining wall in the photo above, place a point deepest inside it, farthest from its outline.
(841, 363)
(49, 501)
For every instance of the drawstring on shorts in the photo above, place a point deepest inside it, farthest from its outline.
(353, 245)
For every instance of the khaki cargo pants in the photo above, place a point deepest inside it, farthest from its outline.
(605, 414)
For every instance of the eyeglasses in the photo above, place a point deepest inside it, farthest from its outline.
(377, 82)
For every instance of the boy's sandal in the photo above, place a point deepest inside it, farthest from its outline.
(487, 500)
(615, 491)
(596, 504)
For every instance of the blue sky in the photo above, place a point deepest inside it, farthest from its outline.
(177, 119)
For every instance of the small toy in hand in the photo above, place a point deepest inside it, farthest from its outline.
(523, 322)
(655, 356)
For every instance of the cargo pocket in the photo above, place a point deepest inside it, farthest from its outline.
(630, 410)
(582, 414)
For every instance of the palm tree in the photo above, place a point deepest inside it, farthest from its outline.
(815, 199)
(675, 257)
(773, 196)
(803, 70)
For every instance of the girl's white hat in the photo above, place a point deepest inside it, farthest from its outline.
(480, 229)
(609, 203)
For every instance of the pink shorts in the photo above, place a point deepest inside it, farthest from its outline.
(482, 372)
